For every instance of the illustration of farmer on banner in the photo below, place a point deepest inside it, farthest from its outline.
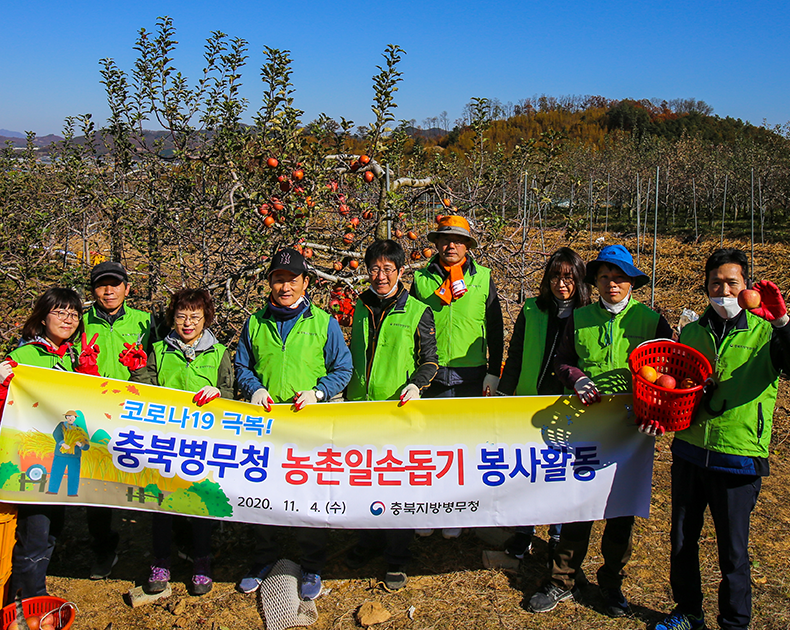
(71, 438)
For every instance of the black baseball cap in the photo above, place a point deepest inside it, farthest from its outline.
(108, 269)
(288, 259)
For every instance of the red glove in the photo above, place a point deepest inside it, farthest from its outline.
(7, 371)
(772, 304)
(133, 357)
(205, 395)
(86, 362)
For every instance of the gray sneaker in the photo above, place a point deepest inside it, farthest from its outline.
(102, 566)
(547, 597)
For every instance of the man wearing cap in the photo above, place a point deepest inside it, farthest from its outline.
(291, 351)
(720, 460)
(124, 338)
(593, 360)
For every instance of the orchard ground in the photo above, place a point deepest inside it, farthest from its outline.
(448, 586)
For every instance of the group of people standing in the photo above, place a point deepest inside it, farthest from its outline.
(444, 337)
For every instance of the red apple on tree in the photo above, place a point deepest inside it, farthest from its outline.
(272, 162)
(369, 176)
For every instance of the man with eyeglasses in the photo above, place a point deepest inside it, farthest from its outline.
(470, 336)
(393, 345)
(124, 339)
(291, 351)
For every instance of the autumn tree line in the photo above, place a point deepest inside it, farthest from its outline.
(207, 198)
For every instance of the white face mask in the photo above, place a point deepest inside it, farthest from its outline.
(614, 309)
(725, 307)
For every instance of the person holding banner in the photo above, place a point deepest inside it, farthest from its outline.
(469, 327)
(393, 345)
(720, 460)
(125, 336)
(47, 341)
(191, 359)
(291, 351)
(536, 338)
(592, 361)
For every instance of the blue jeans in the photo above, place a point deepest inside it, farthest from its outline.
(60, 465)
(37, 528)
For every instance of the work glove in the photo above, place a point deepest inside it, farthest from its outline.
(490, 383)
(133, 356)
(7, 372)
(306, 397)
(772, 305)
(650, 427)
(261, 397)
(86, 362)
(587, 391)
(205, 395)
(410, 392)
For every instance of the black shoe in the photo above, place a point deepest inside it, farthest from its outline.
(519, 545)
(103, 565)
(548, 596)
(396, 577)
(615, 603)
(358, 557)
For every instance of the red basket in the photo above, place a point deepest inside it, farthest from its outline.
(40, 606)
(673, 409)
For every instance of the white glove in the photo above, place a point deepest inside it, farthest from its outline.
(651, 428)
(7, 371)
(307, 397)
(410, 392)
(205, 395)
(490, 383)
(587, 391)
(261, 397)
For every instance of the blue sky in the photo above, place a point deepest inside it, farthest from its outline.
(734, 56)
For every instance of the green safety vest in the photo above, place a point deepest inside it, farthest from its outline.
(394, 358)
(748, 382)
(461, 324)
(131, 326)
(603, 342)
(295, 365)
(35, 355)
(173, 370)
(536, 325)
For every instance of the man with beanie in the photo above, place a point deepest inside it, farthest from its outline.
(291, 351)
(124, 339)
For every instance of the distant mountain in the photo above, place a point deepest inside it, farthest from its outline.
(11, 134)
(20, 141)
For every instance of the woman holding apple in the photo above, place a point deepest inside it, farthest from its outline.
(536, 335)
(593, 360)
(719, 461)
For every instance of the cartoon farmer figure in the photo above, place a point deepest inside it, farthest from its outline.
(71, 438)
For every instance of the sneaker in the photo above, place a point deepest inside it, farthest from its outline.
(159, 577)
(310, 587)
(201, 576)
(396, 578)
(615, 603)
(257, 574)
(547, 598)
(519, 545)
(423, 532)
(451, 533)
(681, 621)
(102, 567)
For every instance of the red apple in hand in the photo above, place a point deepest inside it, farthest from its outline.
(665, 380)
(749, 299)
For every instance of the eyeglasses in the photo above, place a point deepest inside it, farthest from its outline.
(567, 280)
(181, 318)
(66, 316)
(387, 271)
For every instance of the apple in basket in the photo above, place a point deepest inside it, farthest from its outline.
(687, 383)
(665, 380)
(648, 373)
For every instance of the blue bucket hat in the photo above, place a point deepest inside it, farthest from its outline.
(616, 256)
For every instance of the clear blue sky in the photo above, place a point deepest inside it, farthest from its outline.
(733, 55)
